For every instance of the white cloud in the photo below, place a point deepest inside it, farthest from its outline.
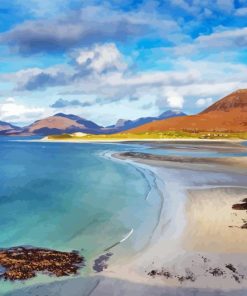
(102, 58)
(84, 57)
(169, 98)
(156, 78)
(241, 11)
(10, 100)
(174, 99)
(226, 39)
(109, 79)
(12, 111)
(83, 27)
(37, 78)
(203, 102)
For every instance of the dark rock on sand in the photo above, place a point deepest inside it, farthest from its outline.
(242, 206)
(101, 263)
(244, 226)
(163, 272)
(190, 276)
(153, 273)
(216, 271)
(236, 278)
(231, 267)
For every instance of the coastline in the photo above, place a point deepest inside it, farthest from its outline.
(180, 258)
(238, 164)
(124, 140)
(169, 248)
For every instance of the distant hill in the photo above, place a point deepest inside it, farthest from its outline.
(61, 123)
(122, 124)
(86, 123)
(235, 101)
(226, 115)
(8, 129)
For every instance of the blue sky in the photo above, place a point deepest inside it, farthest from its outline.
(106, 60)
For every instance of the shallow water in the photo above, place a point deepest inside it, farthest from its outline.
(192, 151)
(70, 196)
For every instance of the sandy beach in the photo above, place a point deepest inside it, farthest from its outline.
(235, 164)
(202, 243)
(199, 246)
(214, 206)
(235, 142)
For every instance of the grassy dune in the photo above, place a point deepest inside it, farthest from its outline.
(151, 135)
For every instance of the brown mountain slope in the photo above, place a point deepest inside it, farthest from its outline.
(53, 122)
(227, 115)
(62, 123)
(236, 100)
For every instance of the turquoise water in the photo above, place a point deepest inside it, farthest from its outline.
(67, 196)
(70, 196)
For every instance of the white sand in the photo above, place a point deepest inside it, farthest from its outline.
(209, 214)
(189, 140)
(196, 238)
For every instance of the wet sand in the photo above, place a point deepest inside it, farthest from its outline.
(206, 247)
(192, 144)
(237, 164)
(105, 286)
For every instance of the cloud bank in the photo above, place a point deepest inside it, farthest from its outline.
(113, 59)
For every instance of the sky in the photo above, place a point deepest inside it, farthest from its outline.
(105, 60)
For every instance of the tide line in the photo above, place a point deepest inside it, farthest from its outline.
(121, 241)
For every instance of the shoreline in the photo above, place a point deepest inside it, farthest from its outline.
(171, 252)
(160, 165)
(155, 187)
(238, 164)
(138, 140)
(188, 187)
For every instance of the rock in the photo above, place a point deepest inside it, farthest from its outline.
(216, 271)
(244, 226)
(242, 206)
(231, 267)
(22, 263)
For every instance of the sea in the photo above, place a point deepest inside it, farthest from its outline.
(74, 196)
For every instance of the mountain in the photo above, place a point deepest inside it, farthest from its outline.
(86, 123)
(171, 113)
(122, 124)
(235, 101)
(226, 115)
(8, 129)
(61, 123)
